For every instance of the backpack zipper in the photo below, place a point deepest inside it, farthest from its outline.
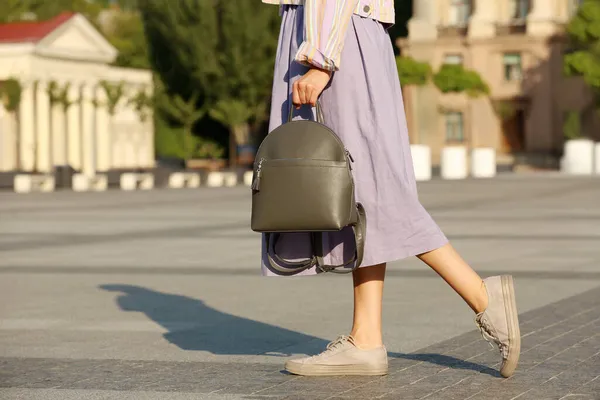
(256, 181)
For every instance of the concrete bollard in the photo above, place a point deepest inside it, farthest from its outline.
(483, 162)
(248, 177)
(421, 157)
(454, 162)
(230, 179)
(27, 183)
(146, 181)
(214, 179)
(128, 181)
(597, 157)
(578, 157)
(180, 180)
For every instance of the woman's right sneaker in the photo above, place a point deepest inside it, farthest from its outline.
(499, 323)
(342, 357)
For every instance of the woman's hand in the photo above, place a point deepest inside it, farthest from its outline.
(308, 88)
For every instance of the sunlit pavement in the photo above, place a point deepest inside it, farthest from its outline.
(158, 295)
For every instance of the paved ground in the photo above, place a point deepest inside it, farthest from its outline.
(156, 295)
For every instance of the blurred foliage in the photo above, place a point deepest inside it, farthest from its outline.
(413, 72)
(18, 10)
(457, 79)
(115, 92)
(584, 59)
(143, 104)
(126, 32)
(572, 125)
(221, 52)
(186, 113)
(505, 110)
(10, 94)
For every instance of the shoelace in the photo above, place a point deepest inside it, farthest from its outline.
(486, 332)
(332, 346)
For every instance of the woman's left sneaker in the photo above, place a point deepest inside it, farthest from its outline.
(499, 323)
(342, 357)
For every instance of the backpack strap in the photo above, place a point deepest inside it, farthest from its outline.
(360, 230)
(293, 267)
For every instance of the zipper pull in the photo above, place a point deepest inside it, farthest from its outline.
(256, 181)
(350, 159)
(349, 155)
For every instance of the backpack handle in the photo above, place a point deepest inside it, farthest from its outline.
(318, 111)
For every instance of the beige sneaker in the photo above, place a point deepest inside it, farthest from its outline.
(342, 357)
(499, 323)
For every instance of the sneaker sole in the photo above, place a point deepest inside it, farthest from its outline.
(335, 370)
(514, 332)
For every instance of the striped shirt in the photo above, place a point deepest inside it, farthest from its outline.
(326, 23)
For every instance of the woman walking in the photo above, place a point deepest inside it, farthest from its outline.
(339, 51)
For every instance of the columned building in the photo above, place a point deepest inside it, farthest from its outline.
(75, 108)
(517, 48)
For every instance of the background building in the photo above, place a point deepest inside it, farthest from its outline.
(517, 48)
(75, 108)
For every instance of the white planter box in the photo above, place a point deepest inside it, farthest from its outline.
(221, 178)
(134, 181)
(483, 162)
(454, 162)
(248, 176)
(179, 180)
(578, 157)
(230, 179)
(27, 183)
(85, 183)
(597, 158)
(421, 157)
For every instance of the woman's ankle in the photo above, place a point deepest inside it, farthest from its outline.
(367, 340)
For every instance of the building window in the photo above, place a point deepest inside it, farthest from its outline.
(513, 68)
(453, 59)
(460, 12)
(519, 9)
(454, 127)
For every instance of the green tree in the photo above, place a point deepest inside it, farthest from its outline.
(17, 10)
(126, 32)
(584, 60)
(572, 125)
(458, 79)
(246, 55)
(186, 113)
(413, 72)
(220, 51)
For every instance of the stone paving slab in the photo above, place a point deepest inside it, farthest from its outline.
(156, 295)
(560, 357)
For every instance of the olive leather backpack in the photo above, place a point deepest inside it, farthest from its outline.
(302, 182)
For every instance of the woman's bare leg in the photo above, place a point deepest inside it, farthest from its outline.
(368, 296)
(457, 273)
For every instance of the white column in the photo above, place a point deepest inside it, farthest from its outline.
(88, 143)
(73, 144)
(103, 134)
(542, 20)
(27, 128)
(59, 133)
(7, 150)
(423, 24)
(42, 111)
(149, 138)
(483, 21)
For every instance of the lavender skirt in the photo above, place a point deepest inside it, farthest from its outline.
(363, 105)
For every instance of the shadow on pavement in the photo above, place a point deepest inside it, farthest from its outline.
(193, 325)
